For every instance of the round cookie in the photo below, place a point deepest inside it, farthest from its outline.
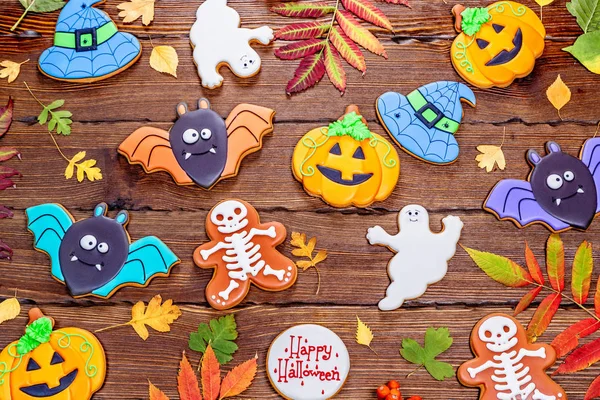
(308, 362)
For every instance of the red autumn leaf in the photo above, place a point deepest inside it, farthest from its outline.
(583, 265)
(594, 390)
(309, 72)
(543, 316)
(304, 30)
(597, 299)
(211, 375)
(6, 183)
(568, 339)
(580, 359)
(360, 35)
(6, 114)
(301, 49)
(6, 153)
(403, 2)
(533, 266)
(303, 10)
(526, 300)
(238, 379)
(5, 251)
(367, 11)
(187, 383)
(7, 172)
(500, 269)
(348, 49)
(555, 262)
(5, 212)
(334, 68)
(156, 393)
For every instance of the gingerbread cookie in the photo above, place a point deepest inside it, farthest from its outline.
(422, 256)
(496, 44)
(346, 164)
(95, 256)
(308, 362)
(561, 191)
(424, 122)
(62, 364)
(242, 250)
(218, 40)
(506, 366)
(88, 47)
(200, 148)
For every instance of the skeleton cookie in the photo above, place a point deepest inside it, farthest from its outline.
(242, 250)
(506, 367)
(422, 257)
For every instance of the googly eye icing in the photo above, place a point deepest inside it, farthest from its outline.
(88, 242)
(569, 176)
(103, 248)
(554, 182)
(191, 136)
(205, 134)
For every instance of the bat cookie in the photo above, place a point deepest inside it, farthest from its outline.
(242, 250)
(561, 191)
(201, 148)
(95, 256)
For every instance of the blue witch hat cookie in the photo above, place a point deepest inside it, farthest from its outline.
(88, 47)
(423, 123)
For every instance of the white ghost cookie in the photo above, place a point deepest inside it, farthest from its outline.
(422, 256)
(218, 40)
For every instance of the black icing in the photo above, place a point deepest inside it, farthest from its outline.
(359, 154)
(482, 43)
(42, 389)
(335, 175)
(56, 359)
(32, 365)
(506, 56)
(498, 28)
(336, 150)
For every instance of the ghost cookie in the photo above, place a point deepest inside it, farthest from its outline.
(560, 193)
(95, 256)
(218, 40)
(422, 256)
(242, 250)
(308, 362)
(201, 148)
(506, 366)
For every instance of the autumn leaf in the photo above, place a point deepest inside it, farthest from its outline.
(334, 68)
(220, 334)
(597, 299)
(367, 11)
(6, 116)
(11, 70)
(239, 379)
(559, 94)
(155, 393)
(315, 9)
(437, 341)
(364, 335)
(527, 300)
(544, 3)
(6, 153)
(568, 339)
(9, 309)
(187, 383)
(211, 375)
(500, 269)
(543, 316)
(594, 389)
(5, 212)
(533, 266)
(355, 31)
(304, 249)
(555, 262)
(304, 30)
(403, 2)
(132, 10)
(309, 72)
(580, 358)
(6, 252)
(581, 277)
(490, 156)
(164, 59)
(301, 49)
(348, 49)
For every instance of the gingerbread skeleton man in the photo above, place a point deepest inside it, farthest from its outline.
(506, 367)
(242, 250)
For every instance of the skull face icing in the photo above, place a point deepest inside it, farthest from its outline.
(230, 216)
(498, 333)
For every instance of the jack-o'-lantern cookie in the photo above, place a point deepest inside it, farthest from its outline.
(62, 364)
(346, 164)
(506, 366)
(496, 44)
(201, 148)
(95, 256)
(242, 250)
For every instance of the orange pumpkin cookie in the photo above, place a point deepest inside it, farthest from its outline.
(346, 164)
(242, 250)
(506, 366)
(496, 44)
(62, 364)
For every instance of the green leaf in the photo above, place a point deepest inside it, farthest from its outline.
(43, 5)
(412, 351)
(555, 262)
(500, 269)
(587, 13)
(583, 265)
(439, 370)
(55, 104)
(437, 341)
(220, 334)
(43, 117)
(587, 50)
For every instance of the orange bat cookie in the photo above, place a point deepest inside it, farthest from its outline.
(201, 148)
(242, 250)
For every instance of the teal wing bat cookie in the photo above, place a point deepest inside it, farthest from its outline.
(95, 256)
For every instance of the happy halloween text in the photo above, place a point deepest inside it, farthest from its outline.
(299, 357)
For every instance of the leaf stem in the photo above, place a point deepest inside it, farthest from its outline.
(58, 148)
(112, 327)
(22, 16)
(30, 92)
(415, 370)
(503, 138)
(373, 350)
(318, 278)
(560, 116)
(564, 296)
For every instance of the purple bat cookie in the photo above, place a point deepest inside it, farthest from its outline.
(561, 191)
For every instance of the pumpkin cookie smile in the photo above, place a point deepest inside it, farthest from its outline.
(335, 175)
(43, 390)
(506, 56)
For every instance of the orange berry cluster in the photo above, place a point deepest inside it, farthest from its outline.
(391, 391)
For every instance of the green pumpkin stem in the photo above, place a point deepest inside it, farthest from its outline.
(37, 332)
(352, 124)
(470, 20)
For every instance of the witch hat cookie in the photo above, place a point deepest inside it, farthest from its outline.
(88, 47)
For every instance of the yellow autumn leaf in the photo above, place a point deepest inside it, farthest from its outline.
(544, 3)
(304, 264)
(364, 335)
(304, 249)
(9, 309)
(164, 59)
(92, 172)
(132, 10)
(559, 94)
(158, 317)
(11, 70)
(490, 156)
(71, 167)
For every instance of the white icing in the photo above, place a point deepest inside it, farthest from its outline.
(315, 353)
(218, 39)
(422, 256)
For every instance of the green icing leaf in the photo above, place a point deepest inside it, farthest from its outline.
(587, 50)
(473, 18)
(587, 13)
(220, 333)
(437, 341)
(37, 332)
(351, 125)
(42, 6)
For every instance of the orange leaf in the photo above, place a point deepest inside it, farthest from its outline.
(211, 375)
(581, 358)
(543, 316)
(364, 9)
(597, 299)
(594, 390)
(187, 383)
(238, 379)
(526, 300)
(555, 262)
(568, 339)
(581, 277)
(360, 35)
(533, 265)
(347, 48)
(156, 393)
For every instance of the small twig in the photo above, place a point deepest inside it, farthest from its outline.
(22, 16)
(559, 116)
(597, 128)
(36, 99)
(415, 370)
(112, 327)
(503, 138)
(318, 278)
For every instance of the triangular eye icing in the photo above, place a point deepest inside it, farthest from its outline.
(498, 28)
(56, 359)
(32, 365)
(359, 154)
(482, 43)
(336, 150)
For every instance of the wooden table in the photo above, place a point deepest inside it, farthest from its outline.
(354, 276)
